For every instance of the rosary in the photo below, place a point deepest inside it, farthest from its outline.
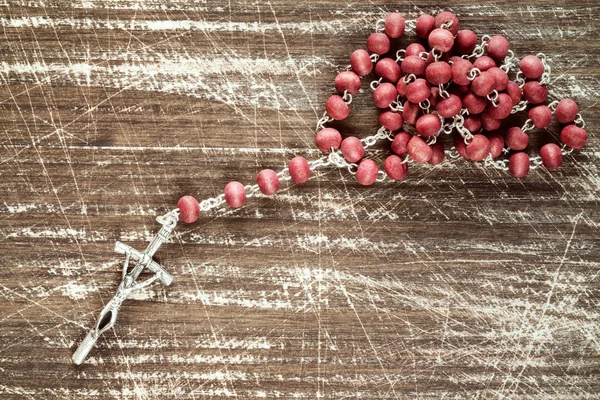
(461, 84)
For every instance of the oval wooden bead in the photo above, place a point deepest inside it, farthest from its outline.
(268, 182)
(414, 49)
(441, 40)
(411, 112)
(445, 18)
(473, 123)
(367, 171)
(551, 156)
(484, 63)
(394, 25)
(400, 143)
(299, 169)
(438, 73)
(428, 125)
(353, 149)
(424, 25)
(518, 164)
(235, 194)
(465, 42)
(394, 168)
(361, 63)
(391, 120)
(501, 78)
(473, 103)
(573, 136)
(418, 91)
(514, 91)
(484, 84)
(388, 69)
(479, 148)
(498, 47)
(438, 154)
(532, 67)
(496, 144)
(516, 139)
(418, 150)
(503, 109)
(460, 69)
(328, 138)
(413, 65)
(461, 147)
(337, 108)
(488, 123)
(401, 87)
(384, 95)
(535, 93)
(541, 116)
(378, 43)
(347, 81)
(434, 97)
(566, 111)
(189, 209)
(449, 107)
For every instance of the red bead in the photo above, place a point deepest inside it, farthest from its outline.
(391, 120)
(541, 116)
(394, 25)
(268, 182)
(353, 149)
(189, 209)
(496, 144)
(337, 108)
(441, 39)
(503, 109)
(378, 43)
(235, 194)
(434, 97)
(488, 123)
(566, 111)
(484, 63)
(518, 165)
(347, 81)
(438, 73)
(428, 125)
(449, 107)
(367, 171)
(384, 95)
(551, 156)
(299, 169)
(418, 91)
(388, 69)
(411, 112)
(461, 147)
(414, 49)
(328, 138)
(465, 42)
(532, 67)
(501, 78)
(424, 25)
(394, 168)
(479, 148)
(413, 65)
(445, 18)
(460, 69)
(473, 124)
(400, 143)
(401, 87)
(361, 63)
(514, 91)
(437, 154)
(573, 136)
(418, 150)
(498, 47)
(516, 139)
(535, 93)
(473, 103)
(484, 84)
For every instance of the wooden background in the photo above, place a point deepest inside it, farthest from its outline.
(460, 282)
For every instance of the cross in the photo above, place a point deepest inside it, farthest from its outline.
(129, 284)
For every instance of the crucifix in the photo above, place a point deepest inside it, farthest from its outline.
(129, 284)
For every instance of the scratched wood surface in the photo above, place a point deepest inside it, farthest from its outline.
(460, 282)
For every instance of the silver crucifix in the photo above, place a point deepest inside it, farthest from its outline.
(128, 284)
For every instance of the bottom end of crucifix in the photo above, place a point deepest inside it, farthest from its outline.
(84, 348)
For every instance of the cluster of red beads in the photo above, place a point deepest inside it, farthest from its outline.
(433, 81)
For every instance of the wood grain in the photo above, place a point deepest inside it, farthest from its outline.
(460, 282)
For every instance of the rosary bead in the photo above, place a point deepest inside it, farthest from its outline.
(401, 87)
(465, 42)
(516, 139)
(461, 147)
(413, 65)
(299, 169)
(518, 164)
(445, 18)
(496, 144)
(394, 168)
(424, 25)
(394, 25)
(353, 149)
(434, 98)
(438, 154)
(479, 148)
(573, 136)
(418, 91)
(449, 107)
(460, 91)
(189, 209)
(367, 171)
(418, 150)
(414, 49)
(411, 112)
(484, 63)
(566, 111)
(400, 143)
(473, 124)
(551, 156)
(268, 182)
(235, 194)
(484, 84)
(541, 116)
(384, 95)
(503, 109)
(460, 69)
(428, 125)
(438, 73)
(501, 78)
(391, 120)
(473, 103)
(532, 67)
(347, 81)
(441, 39)
(361, 63)
(535, 93)
(498, 47)
(337, 108)
(378, 43)
(488, 123)
(388, 69)
(514, 91)
(328, 138)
